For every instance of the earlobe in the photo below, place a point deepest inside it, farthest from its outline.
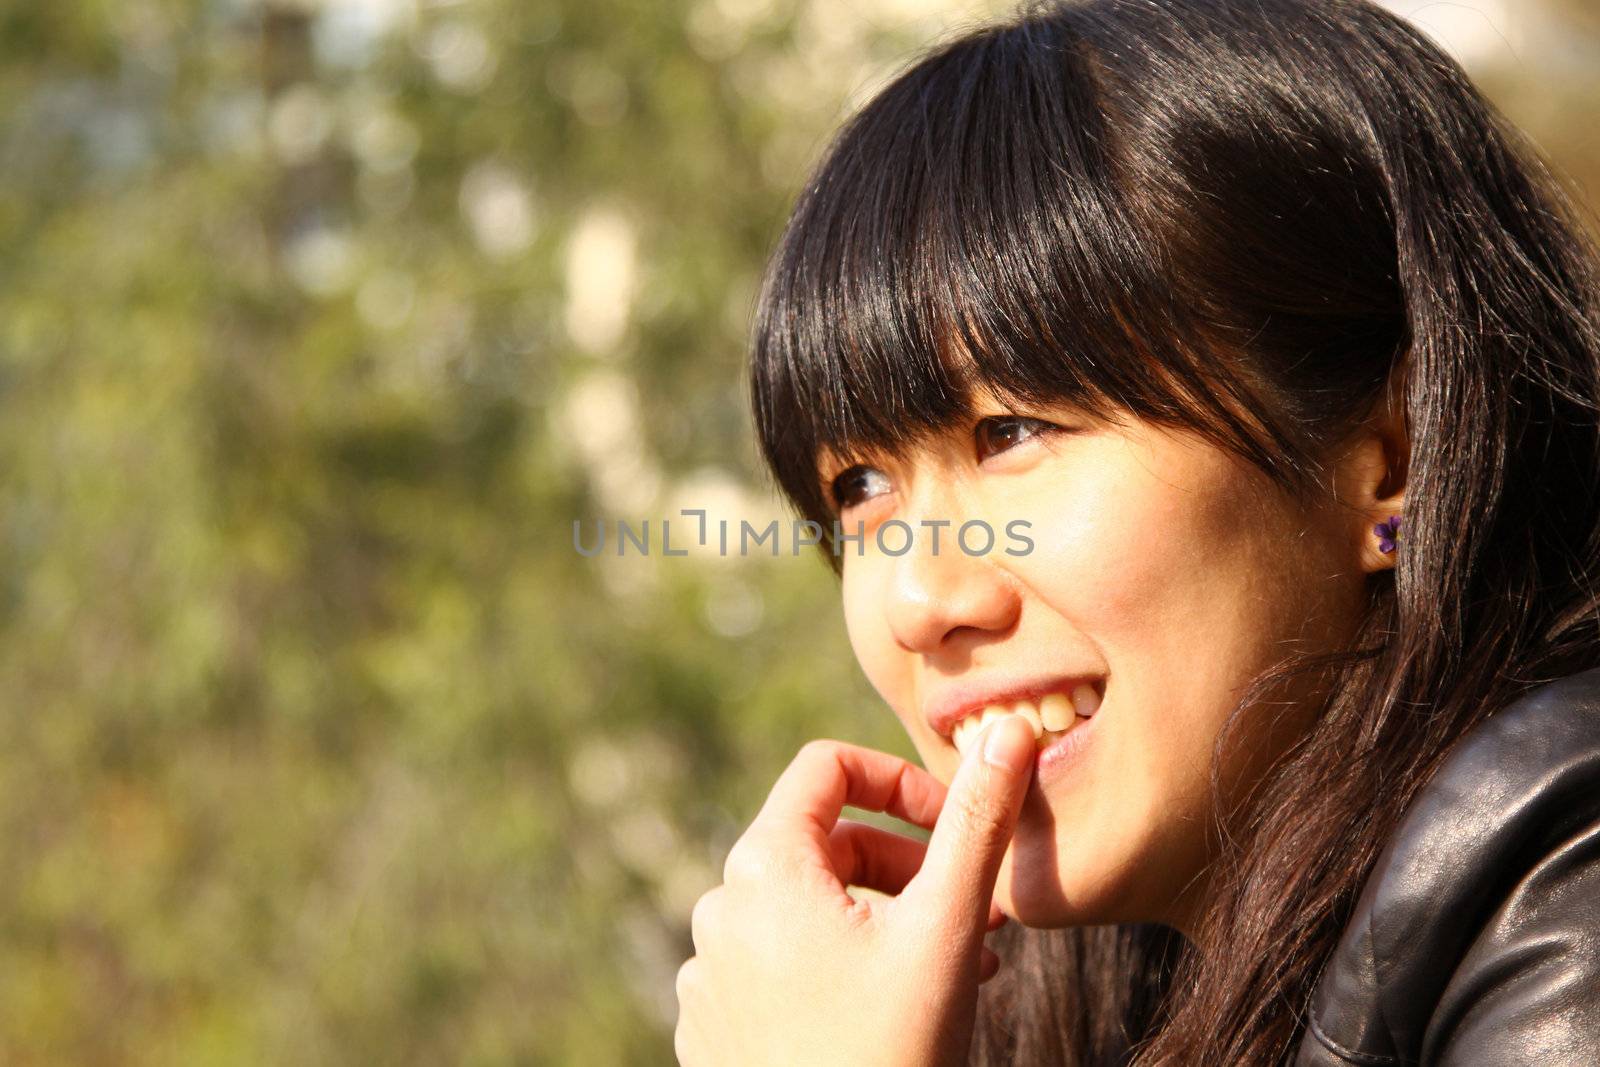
(1386, 540)
(1383, 530)
(1375, 480)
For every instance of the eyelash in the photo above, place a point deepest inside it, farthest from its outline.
(840, 502)
(1036, 426)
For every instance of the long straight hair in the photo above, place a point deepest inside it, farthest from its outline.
(1253, 221)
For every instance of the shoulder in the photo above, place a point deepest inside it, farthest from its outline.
(1476, 938)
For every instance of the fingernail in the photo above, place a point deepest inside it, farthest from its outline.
(1010, 745)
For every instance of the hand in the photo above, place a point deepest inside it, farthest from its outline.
(790, 968)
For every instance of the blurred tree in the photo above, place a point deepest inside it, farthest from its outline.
(319, 325)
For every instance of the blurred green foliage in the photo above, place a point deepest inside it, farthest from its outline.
(320, 323)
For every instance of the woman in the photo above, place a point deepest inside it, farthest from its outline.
(1285, 352)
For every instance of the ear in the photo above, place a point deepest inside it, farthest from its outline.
(1370, 479)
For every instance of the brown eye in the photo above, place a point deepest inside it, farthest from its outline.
(994, 435)
(856, 485)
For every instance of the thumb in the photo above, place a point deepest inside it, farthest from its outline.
(956, 881)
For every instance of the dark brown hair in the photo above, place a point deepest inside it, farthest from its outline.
(1248, 220)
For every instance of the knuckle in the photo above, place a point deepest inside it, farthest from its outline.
(686, 985)
(745, 864)
(702, 919)
(751, 863)
(683, 985)
(980, 818)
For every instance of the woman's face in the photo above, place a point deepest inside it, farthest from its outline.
(1163, 571)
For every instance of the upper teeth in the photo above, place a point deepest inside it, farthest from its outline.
(1055, 712)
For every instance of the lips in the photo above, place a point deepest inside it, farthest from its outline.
(1051, 715)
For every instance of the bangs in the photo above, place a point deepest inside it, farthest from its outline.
(971, 226)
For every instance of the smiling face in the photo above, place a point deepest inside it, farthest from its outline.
(1164, 569)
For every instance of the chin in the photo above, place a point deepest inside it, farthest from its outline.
(1034, 885)
(1044, 884)
(1030, 888)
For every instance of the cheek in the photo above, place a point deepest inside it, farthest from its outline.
(868, 633)
(1156, 574)
(874, 645)
(1122, 551)
(887, 666)
(1151, 574)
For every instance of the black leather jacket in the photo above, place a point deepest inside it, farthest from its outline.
(1476, 939)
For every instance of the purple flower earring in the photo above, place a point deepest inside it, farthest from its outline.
(1388, 533)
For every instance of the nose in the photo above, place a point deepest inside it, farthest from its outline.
(936, 598)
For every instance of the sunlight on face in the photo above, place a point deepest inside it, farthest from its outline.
(1164, 568)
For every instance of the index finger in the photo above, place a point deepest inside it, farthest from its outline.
(827, 775)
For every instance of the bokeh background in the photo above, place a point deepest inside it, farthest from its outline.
(320, 324)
